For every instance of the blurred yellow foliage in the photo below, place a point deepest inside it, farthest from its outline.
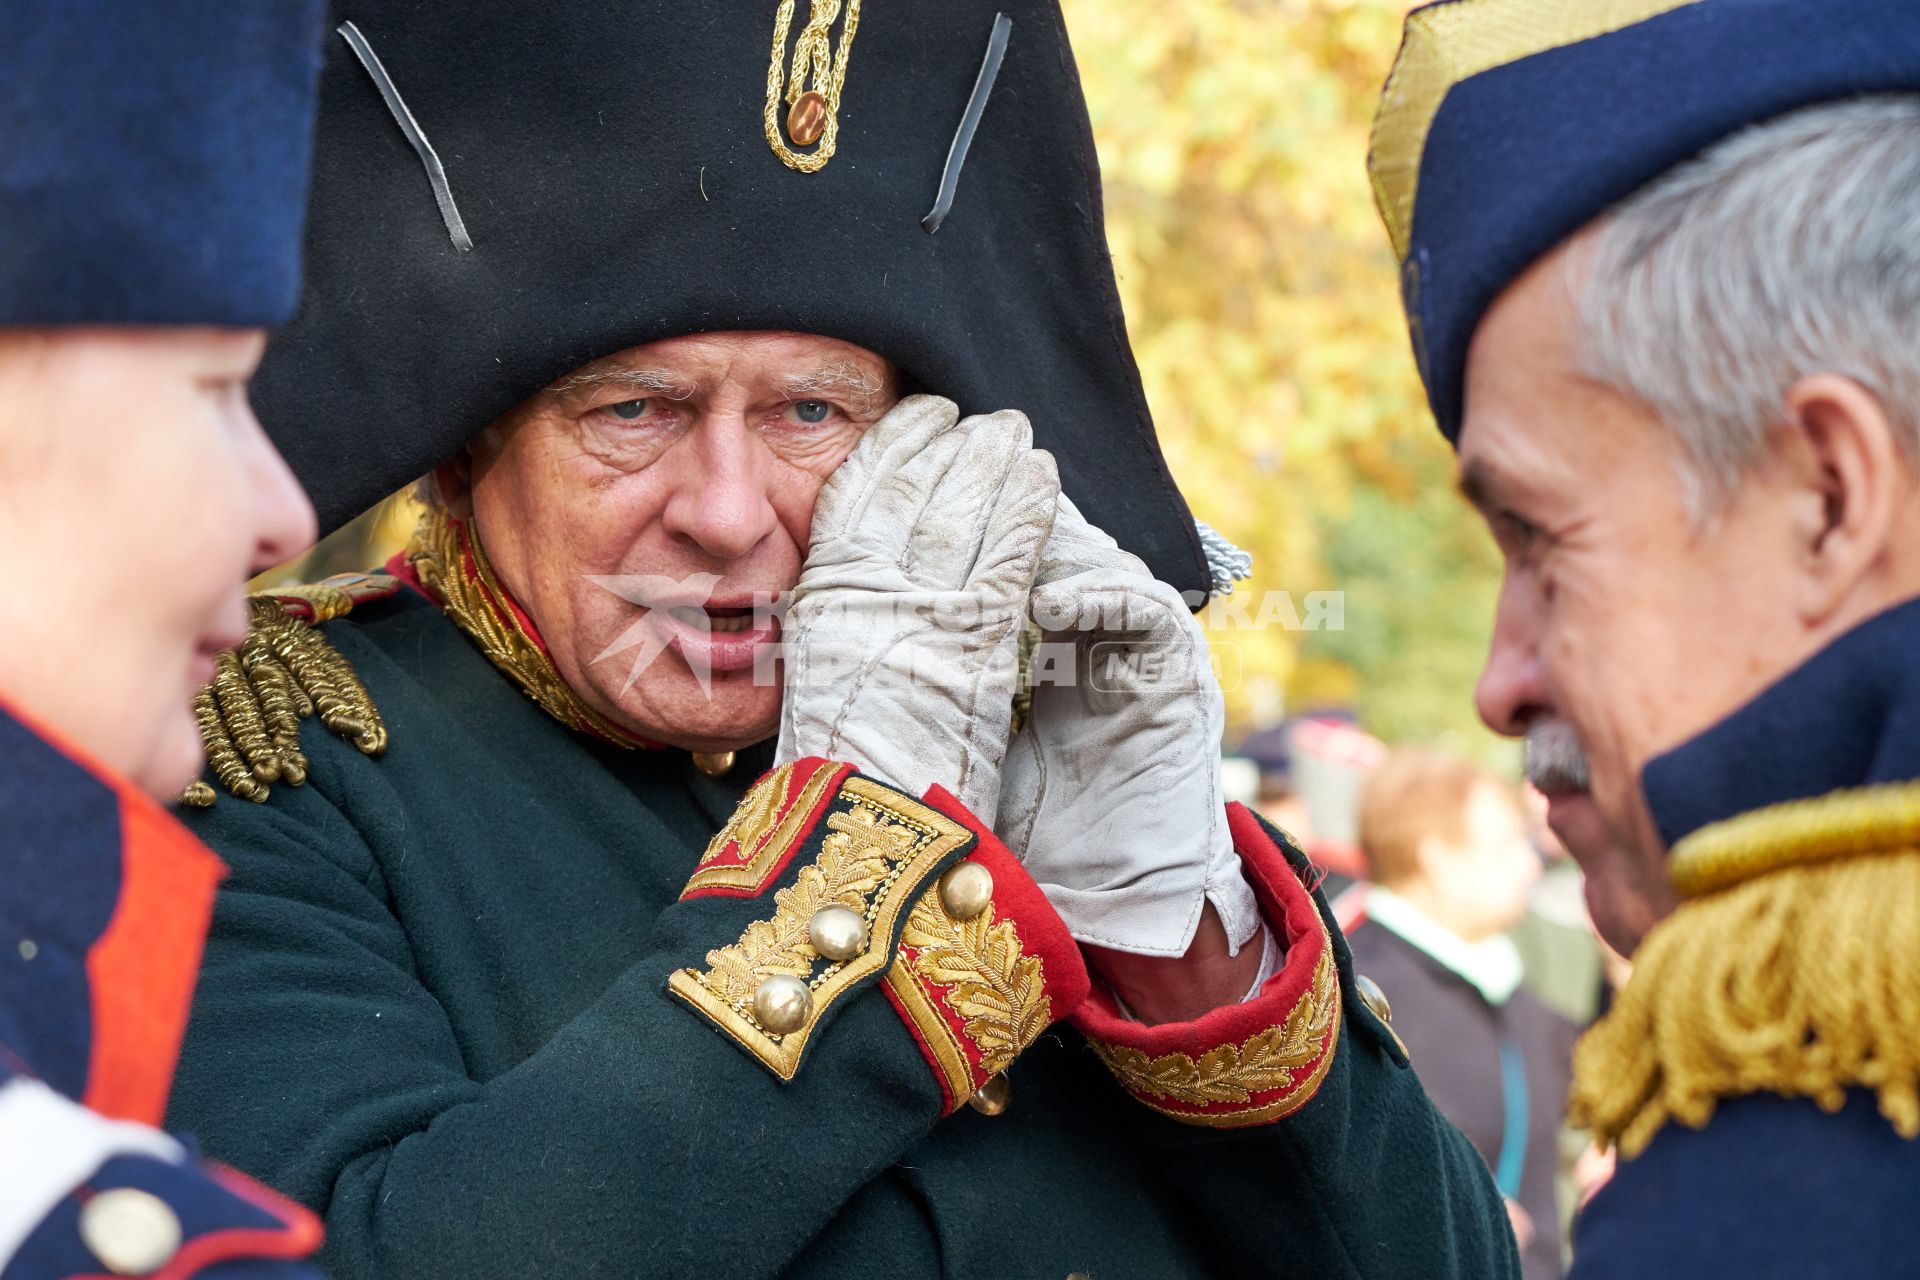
(1261, 296)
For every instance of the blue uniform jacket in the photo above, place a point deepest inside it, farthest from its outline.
(104, 911)
(1773, 1187)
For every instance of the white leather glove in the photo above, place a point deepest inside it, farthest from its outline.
(902, 635)
(1111, 793)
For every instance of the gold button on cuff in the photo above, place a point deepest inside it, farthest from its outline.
(717, 764)
(132, 1232)
(994, 1095)
(966, 890)
(838, 933)
(1373, 997)
(782, 1004)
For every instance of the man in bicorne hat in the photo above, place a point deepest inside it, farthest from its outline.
(673, 933)
(1662, 265)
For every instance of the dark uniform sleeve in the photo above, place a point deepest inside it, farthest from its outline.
(669, 1129)
(1295, 1118)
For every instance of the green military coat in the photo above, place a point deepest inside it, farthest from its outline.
(486, 1002)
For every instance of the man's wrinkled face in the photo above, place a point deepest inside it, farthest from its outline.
(673, 484)
(1625, 626)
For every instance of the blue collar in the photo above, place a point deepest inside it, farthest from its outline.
(61, 865)
(1848, 717)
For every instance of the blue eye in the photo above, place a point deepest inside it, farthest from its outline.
(811, 411)
(629, 410)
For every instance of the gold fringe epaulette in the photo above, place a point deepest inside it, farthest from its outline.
(284, 671)
(1786, 969)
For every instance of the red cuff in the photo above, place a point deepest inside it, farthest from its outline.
(975, 992)
(771, 822)
(296, 1234)
(1243, 1064)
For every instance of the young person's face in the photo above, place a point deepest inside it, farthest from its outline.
(137, 495)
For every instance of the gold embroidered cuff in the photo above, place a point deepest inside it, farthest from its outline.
(868, 851)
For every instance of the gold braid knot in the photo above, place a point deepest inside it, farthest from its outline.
(283, 672)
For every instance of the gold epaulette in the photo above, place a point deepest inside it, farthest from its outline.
(1786, 969)
(283, 672)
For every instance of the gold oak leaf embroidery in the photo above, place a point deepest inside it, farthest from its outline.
(754, 819)
(1000, 992)
(854, 859)
(1234, 1073)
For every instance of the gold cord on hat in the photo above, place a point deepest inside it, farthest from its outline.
(812, 89)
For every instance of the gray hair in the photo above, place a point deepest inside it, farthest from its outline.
(1788, 249)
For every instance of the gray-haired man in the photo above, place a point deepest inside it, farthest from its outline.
(1662, 267)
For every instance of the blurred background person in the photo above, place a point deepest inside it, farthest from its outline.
(153, 182)
(1453, 870)
(1311, 769)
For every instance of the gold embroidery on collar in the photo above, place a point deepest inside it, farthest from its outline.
(883, 841)
(1264, 1062)
(453, 565)
(812, 89)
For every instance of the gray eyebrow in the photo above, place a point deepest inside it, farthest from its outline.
(842, 377)
(656, 381)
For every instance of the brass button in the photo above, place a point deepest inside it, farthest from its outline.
(994, 1096)
(132, 1232)
(837, 932)
(808, 119)
(717, 764)
(1373, 997)
(782, 1004)
(966, 890)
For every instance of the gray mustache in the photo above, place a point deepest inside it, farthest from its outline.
(1555, 759)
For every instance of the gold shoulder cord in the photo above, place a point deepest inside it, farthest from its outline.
(1786, 968)
(812, 90)
(453, 565)
(283, 672)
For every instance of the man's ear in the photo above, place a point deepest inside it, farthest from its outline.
(1843, 453)
(454, 479)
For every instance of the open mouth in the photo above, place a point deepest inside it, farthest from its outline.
(725, 619)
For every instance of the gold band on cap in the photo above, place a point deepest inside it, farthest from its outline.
(1448, 44)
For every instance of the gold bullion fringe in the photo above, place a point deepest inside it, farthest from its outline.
(249, 717)
(1797, 981)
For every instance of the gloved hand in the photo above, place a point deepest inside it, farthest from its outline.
(1111, 792)
(902, 635)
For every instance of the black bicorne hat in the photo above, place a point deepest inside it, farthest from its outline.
(505, 191)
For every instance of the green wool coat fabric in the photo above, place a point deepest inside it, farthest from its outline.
(433, 1009)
